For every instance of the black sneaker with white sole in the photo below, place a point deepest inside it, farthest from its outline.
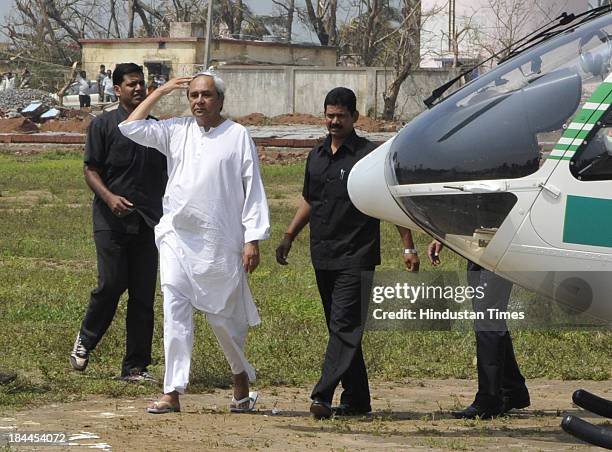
(80, 355)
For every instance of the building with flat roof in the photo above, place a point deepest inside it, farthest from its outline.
(182, 53)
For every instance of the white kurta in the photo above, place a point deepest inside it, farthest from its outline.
(214, 203)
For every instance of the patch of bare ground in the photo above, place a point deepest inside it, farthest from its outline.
(285, 195)
(276, 157)
(408, 415)
(27, 197)
(25, 201)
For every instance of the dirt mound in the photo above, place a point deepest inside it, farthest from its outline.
(73, 125)
(74, 113)
(364, 123)
(17, 125)
(297, 118)
(377, 125)
(254, 119)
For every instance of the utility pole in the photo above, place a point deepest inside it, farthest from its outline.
(452, 29)
(208, 35)
(453, 44)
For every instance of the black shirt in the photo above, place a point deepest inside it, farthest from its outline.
(128, 169)
(340, 235)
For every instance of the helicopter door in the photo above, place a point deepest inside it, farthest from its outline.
(574, 209)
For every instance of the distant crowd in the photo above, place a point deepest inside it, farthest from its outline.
(106, 86)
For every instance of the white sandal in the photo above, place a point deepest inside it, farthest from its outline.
(244, 405)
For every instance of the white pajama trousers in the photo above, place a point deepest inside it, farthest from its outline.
(231, 332)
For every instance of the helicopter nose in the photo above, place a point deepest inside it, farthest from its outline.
(369, 191)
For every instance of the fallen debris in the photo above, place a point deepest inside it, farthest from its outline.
(17, 99)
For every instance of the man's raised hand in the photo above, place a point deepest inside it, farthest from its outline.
(174, 84)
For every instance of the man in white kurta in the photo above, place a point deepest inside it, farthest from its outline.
(214, 214)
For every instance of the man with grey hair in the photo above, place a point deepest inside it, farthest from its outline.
(215, 212)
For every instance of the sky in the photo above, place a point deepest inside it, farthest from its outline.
(5, 7)
(257, 6)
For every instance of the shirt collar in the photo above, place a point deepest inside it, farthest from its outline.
(123, 114)
(350, 143)
(211, 129)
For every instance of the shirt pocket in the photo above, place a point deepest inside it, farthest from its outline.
(121, 152)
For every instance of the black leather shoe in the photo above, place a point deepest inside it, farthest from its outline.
(518, 402)
(345, 409)
(474, 411)
(320, 409)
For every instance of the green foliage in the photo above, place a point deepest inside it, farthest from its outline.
(47, 269)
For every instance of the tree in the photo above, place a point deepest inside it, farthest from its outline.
(232, 15)
(407, 53)
(365, 35)
(322, 20)
(510, 21)
(286, 10)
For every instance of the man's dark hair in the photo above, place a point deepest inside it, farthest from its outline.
(123, 69)
(343, 97)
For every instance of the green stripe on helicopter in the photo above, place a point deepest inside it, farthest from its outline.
(576, 133)
(565, 147)
(601, 92)
(590, 113)
(586, 117)
(559, 157)
(587, 221)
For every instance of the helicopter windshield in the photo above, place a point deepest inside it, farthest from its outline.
(496, 127)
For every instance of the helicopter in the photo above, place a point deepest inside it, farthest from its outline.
(513, 171)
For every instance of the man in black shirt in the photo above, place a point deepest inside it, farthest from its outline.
(128, 181)
(344, 243)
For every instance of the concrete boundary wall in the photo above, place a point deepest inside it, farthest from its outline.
(276, 90)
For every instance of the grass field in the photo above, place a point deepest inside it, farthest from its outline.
(47, 269)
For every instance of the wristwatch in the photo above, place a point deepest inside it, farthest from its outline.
(411, 251)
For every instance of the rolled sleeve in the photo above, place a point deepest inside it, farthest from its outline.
(255, 213)
(150, 133)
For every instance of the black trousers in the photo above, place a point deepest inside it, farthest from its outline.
(498, 372)
(125, 262)
(345, 314)
(84, 100)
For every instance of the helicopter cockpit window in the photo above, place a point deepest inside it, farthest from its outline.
(594, 162)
